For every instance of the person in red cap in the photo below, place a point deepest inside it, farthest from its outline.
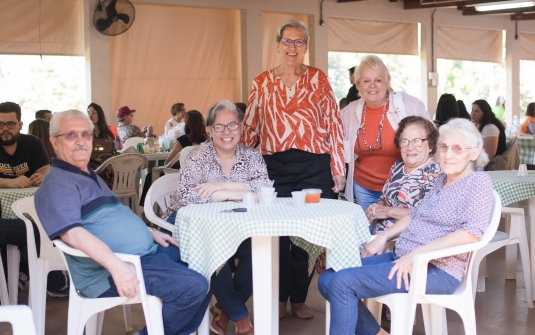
(126, 129)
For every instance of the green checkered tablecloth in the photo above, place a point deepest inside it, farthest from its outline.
(526, 149)
(209, 238)
(157, 156)
(511, 187)
(9, 195)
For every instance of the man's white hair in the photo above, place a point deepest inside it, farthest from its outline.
(68, 114)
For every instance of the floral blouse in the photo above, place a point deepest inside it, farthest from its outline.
(128, 130)
(405, 190)
(203, 166)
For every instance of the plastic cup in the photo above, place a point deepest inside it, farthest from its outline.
(146, 149)
(522, 170)
(248, 201)
(313, 195)
(298, 198)
(266, 195)
(152, 150)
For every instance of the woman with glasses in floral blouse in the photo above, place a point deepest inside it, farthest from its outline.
(370, 125)
(221, 169)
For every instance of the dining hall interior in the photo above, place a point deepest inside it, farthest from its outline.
(200, 52)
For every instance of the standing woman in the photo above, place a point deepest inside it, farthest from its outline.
(101, 130)
(292, 114)
(490, 127)
(370, 125)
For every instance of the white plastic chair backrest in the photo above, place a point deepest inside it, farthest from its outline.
(160, 194)
(184, 154)
(125, 168)
(20, 317)
(173, 161)
(133, 141)
(48, 251)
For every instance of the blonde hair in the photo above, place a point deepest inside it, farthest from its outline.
(375, 63)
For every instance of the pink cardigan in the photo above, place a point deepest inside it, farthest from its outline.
(400, 105)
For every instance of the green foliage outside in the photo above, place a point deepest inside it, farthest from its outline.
(56, 83)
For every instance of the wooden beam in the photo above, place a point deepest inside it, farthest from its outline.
(473, 11)
(523, 16)
(416, 4)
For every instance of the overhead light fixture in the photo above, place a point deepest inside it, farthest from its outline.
(492, 6)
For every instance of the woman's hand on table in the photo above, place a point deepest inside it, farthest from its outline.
(402, 269)
(374, 247)
(163, 239)
(339, 183)
(207, 189)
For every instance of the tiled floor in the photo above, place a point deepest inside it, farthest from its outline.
(502, 310)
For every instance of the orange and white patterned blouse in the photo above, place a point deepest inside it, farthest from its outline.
(303, 117)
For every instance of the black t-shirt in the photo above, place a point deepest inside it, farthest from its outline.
(29, 157)
(352, 94)
(184, 141)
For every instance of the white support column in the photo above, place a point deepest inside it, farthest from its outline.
(97, 60)
(251, 32)
(512, 74)
(428, 64)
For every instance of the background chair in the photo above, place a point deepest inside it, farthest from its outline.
(90, 311)
(133, 141)
(9, 289)
(20, 317)
(509, 160)
(403, 305)
(159, 195)
(126, 177)
(184, 154)
(516, 234)
(49, 259)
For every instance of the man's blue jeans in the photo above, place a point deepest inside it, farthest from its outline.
(184, 292)
(232, 293)
(345, 289)
(364, 196)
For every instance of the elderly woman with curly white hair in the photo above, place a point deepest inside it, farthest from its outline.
(370, 125)
(455, 211)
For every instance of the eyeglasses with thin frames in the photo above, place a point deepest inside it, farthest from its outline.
(74, 135)
(298, 43)
(455, 148)
(219, 128)
(9, 125)
(417, 142)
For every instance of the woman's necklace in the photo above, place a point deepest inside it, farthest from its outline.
(416, 168)
(363, 128)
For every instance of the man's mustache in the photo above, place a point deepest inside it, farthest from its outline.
(79, 147)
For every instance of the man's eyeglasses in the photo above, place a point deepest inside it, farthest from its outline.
(73, 135)
(10, 124)
(219, 128)
(455, 148)
(298, 43)
(417, 142)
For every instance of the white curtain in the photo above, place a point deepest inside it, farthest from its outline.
(469, 44)
(527, 46)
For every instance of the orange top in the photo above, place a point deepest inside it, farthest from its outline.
(372, 167)
(525, 124)
(303, 117)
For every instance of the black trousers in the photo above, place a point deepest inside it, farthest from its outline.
(294, 170)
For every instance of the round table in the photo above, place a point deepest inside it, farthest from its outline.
(9, 195)
(208, 238)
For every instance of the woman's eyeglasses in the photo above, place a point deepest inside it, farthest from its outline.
(298, 43)
(219, 128)
(417, 142)
(455, 148)
(73, 135)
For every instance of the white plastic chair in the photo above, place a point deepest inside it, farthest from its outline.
(50, 259)
(9, 289)
(125, 169)
(516, 235)
(160, 194)
(132, 142)
(184, 154)
(403, 305)
(20, 317)
(89, 312)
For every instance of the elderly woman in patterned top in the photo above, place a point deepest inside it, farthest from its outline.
(218, 170)
(455, 211)
(292, 115)
(411, 177)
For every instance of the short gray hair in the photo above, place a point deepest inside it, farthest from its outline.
(375, 63)
(223, 105)
(67, 115)
(471, 137)
(292, 24)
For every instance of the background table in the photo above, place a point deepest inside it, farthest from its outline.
(9, 195)
(157, 156)
(209, 238)
(526, 149)
(513, 188)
